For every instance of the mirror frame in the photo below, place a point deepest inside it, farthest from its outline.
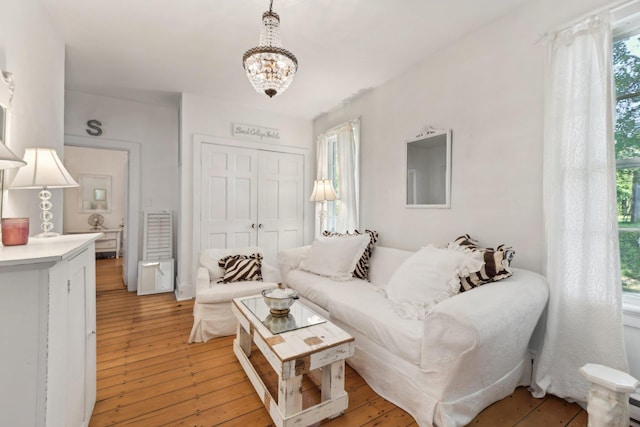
(429, 133)
(104, 191)
(7, 87)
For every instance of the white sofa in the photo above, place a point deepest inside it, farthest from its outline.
(471, 350)
(212, 316)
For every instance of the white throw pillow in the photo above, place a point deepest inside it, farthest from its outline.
(335, 257)
(428, 277)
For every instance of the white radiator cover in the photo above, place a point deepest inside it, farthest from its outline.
(156, 269)
(634, 409)
(157, 237)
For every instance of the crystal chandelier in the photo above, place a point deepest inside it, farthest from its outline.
(269, 67)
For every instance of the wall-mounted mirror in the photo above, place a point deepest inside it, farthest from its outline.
(428, 171)
(6, 93)
(8, 159)
(94, 193)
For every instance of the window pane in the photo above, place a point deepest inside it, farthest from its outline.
(626, 65)
(628, 189)
(630, 260)
(627, 130)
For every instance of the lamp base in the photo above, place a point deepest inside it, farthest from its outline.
(47, 234)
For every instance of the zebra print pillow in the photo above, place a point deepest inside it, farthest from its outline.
(362, 267)
(496, 263)
(241, 268)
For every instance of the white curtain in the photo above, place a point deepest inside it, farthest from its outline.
(347, 212)
(347, 137)
(584, 322)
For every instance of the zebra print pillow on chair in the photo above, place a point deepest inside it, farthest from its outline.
(241, 268)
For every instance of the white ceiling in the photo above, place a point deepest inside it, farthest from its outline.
(156, 49)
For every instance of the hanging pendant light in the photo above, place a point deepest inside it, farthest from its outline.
(269, 67)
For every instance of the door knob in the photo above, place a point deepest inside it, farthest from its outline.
(259, 225)
(253, 226)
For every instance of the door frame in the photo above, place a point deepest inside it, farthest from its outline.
(133, 196)
(198, 142)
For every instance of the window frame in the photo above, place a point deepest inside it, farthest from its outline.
(629, 29)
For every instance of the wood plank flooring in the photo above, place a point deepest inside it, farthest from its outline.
(149, 376)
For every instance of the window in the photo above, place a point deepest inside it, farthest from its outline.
(338, 152)
(626, 69)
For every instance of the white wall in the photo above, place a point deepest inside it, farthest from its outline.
(211, 117)
(32, 49)
(154, 127)
(94, 161)
(632, 336)
(487, 88)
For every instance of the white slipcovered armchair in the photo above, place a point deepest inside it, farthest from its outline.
(212, 316)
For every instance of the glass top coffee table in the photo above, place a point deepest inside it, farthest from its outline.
(300, 316)
(315, 345)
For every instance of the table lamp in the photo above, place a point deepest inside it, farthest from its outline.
(322, 192)
(44, 170)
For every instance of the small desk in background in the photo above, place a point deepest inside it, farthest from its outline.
(111, 241)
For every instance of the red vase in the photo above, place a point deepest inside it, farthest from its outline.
(15, 231)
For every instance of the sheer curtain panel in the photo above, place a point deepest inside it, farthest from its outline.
(337, 160)
(584, 322)
(347, 216)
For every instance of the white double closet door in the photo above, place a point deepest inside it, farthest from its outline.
(251, 197)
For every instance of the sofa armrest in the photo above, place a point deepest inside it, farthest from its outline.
(290, 258)
(485, 331)
(202, 279)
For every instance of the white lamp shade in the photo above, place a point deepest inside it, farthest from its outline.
(43, 169)
(322, 190)
(8, 160)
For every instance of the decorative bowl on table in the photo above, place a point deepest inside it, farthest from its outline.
(279, 300)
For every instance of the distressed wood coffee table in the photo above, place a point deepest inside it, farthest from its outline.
(310, 345)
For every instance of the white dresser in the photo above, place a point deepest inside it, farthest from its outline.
(111, 240)
(47, 332)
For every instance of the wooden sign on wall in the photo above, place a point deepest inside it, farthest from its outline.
(256, 133)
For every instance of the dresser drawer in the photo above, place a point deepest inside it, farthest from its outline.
(106, 244)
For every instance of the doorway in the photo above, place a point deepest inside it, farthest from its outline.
(99, 204)
(131, 174)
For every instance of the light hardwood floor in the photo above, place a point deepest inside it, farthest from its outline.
(149, 376)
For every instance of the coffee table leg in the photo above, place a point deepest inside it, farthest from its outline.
(332, 380)
(290, 395)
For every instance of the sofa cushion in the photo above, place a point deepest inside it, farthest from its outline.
(209, 258)
(241, 268)
(370, 313)
(335, 257)
(318, 288)
(225, 292)
(362, 267)
(384, 262)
